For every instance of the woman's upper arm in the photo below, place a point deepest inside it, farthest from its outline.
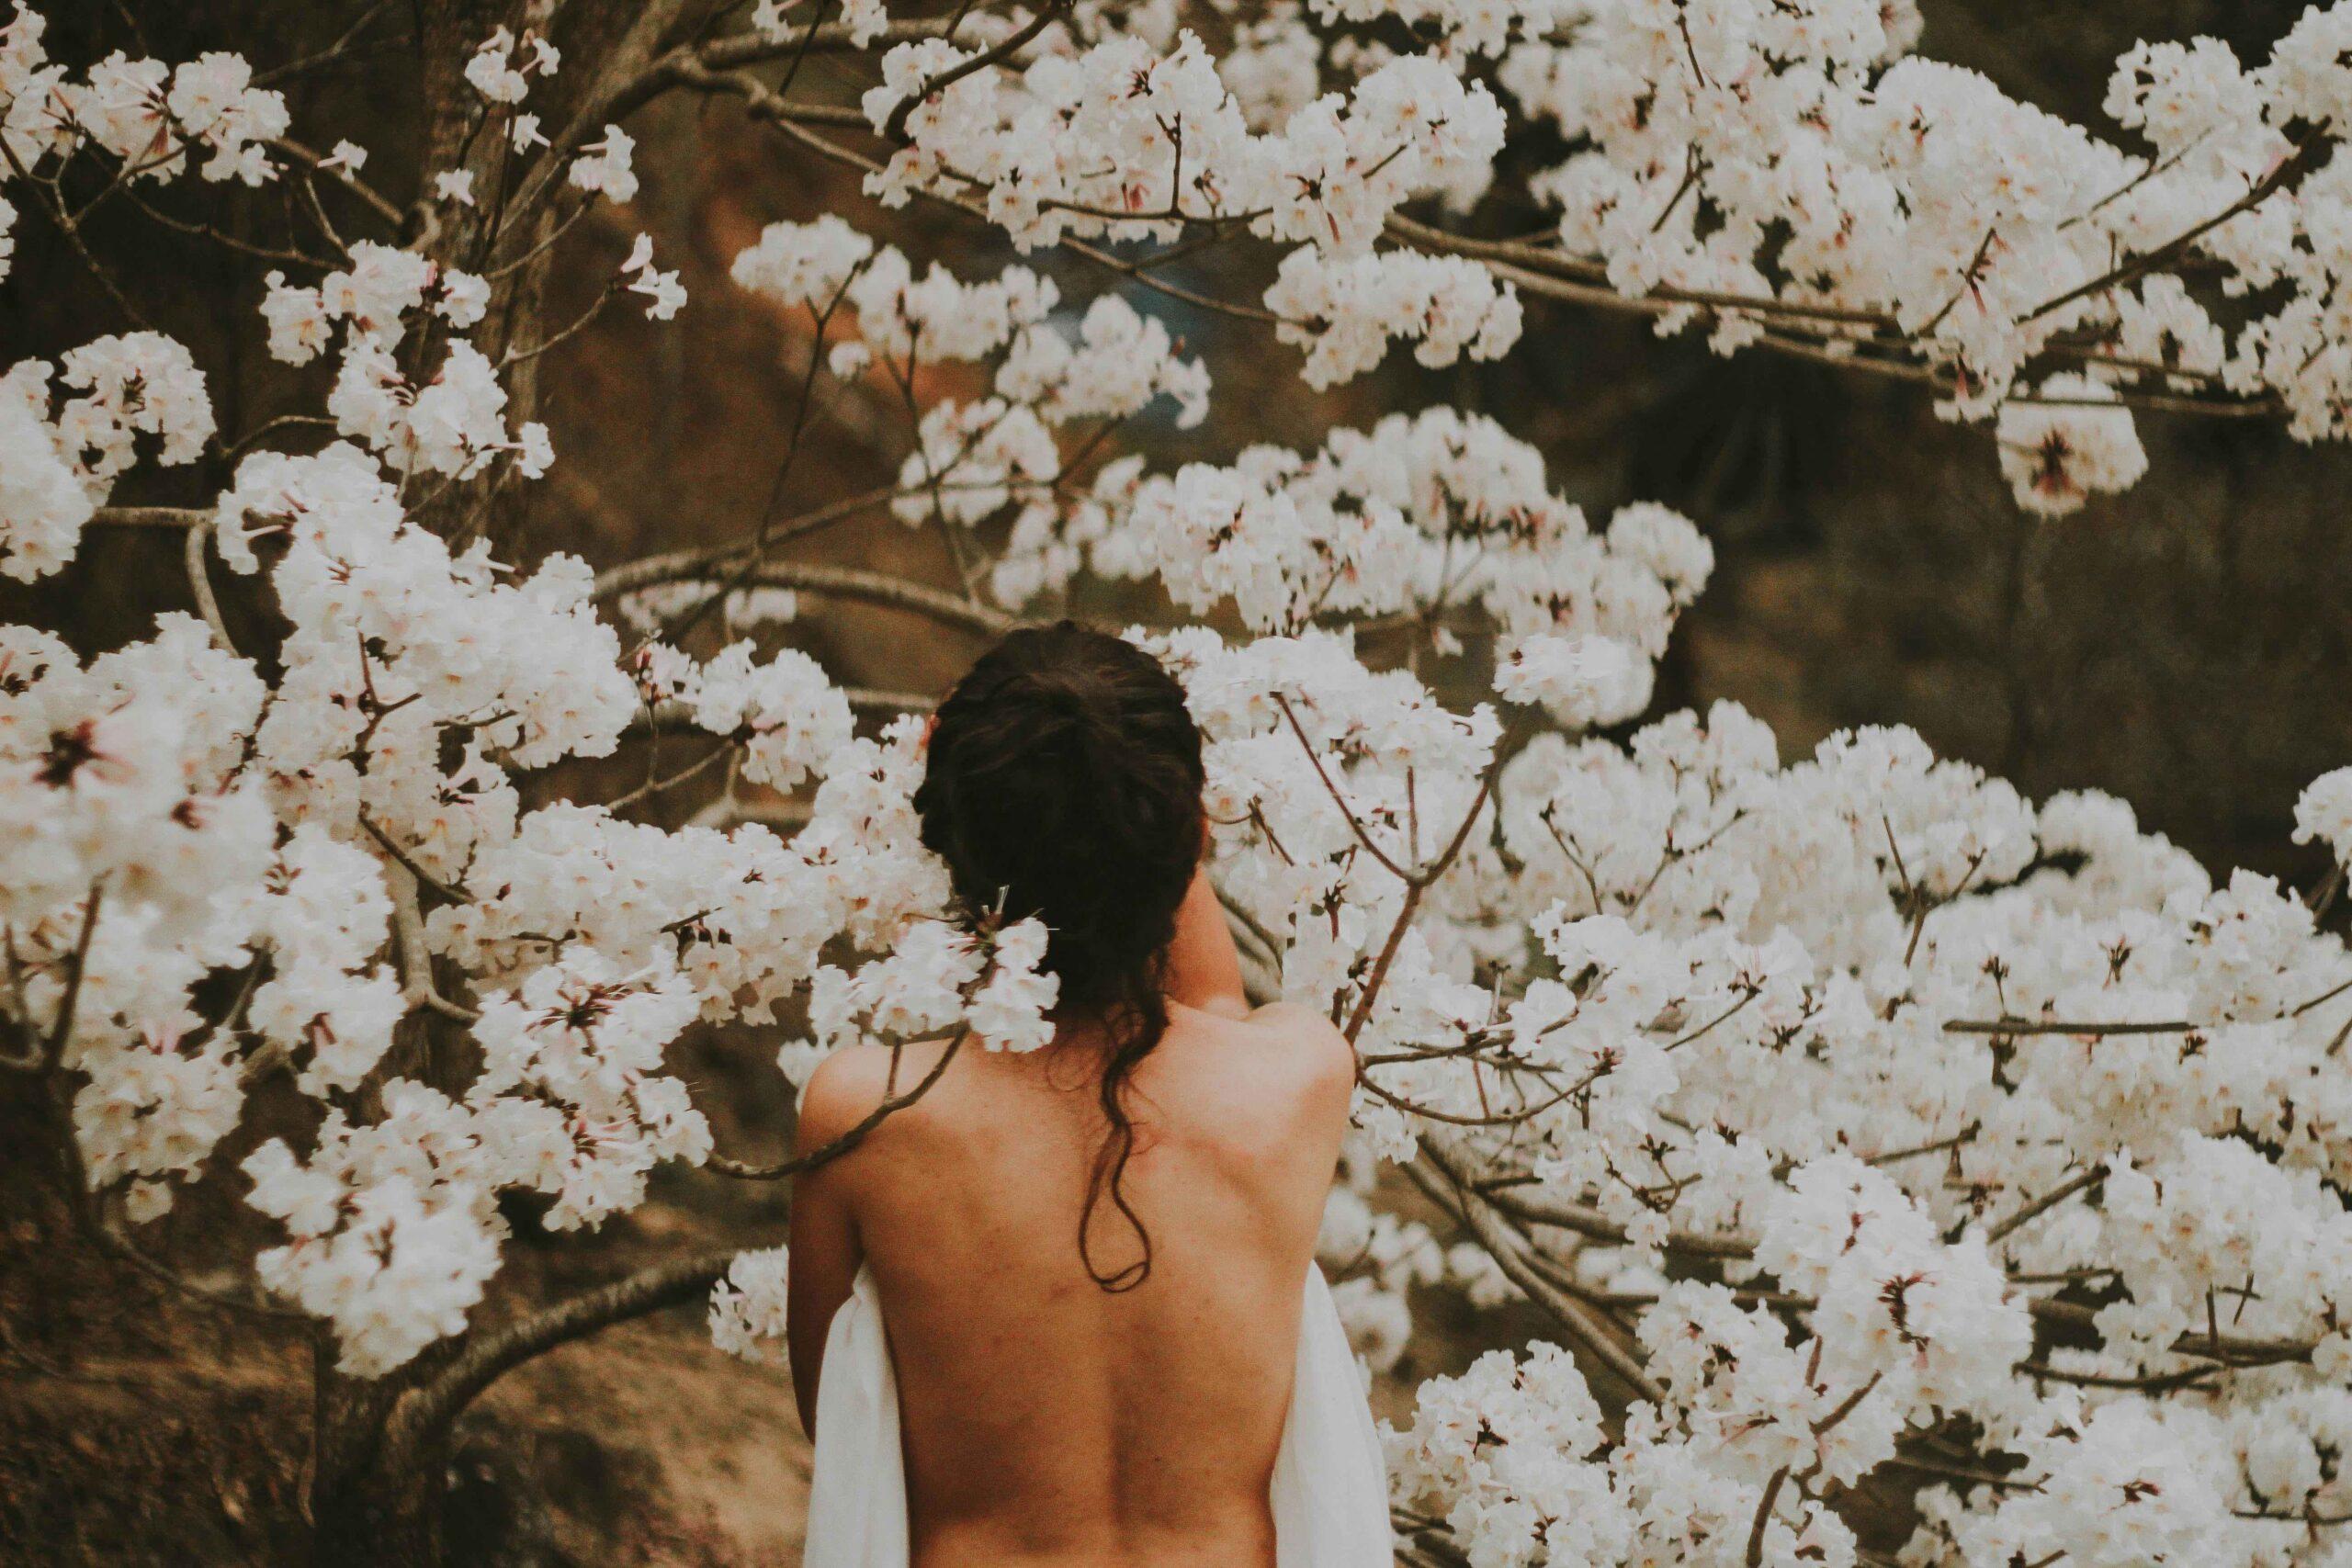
(826, 1253)
(1326, 1065)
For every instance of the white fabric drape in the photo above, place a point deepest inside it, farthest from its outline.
(1329, 1491)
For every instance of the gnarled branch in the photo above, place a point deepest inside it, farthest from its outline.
(427, 1409)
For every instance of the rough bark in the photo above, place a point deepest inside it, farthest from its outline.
(366, 1513)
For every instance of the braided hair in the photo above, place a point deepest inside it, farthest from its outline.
(1064, 782)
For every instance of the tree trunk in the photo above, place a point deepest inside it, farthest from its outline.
(371, 1520)
(366, 1513)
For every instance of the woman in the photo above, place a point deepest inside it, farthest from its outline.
(1074, 1288)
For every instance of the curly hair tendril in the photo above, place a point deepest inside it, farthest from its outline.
(1064, 782)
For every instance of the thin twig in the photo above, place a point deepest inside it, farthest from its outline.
(890, 1105)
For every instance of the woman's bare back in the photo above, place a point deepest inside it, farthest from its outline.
(1047, 1420)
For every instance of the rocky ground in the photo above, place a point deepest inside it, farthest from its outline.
(138, 1426)
(642, 1447)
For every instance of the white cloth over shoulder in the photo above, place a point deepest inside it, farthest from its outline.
(1329, 1491)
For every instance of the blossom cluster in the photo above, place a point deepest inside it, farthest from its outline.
(1126, 139)
(747, 1308)
(59, 456)
(1858, 1029)
(1794, 156)
(1128, 142)
(1903, 1328)
(156, 121)
(1776, 172)
(976, 456)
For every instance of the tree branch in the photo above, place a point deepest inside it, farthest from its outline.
(2230, 1348)
(826, 38)
(1582, 1324)
(199, 580)
(827, 1153)
(424, 1411)
(839, 581)
(151, 517)
(2289, 168)
(895, 128)
(759, 102)
(2047, 1201)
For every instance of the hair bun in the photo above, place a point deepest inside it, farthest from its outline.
(1064, 781)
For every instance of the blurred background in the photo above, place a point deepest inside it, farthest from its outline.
(2184, 647)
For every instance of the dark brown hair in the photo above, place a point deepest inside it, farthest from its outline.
(1064, 782)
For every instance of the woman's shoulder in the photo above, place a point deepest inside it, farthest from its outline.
(1308, 1038)
(1289, 1053)
(1265, 1096)
(857, 1087)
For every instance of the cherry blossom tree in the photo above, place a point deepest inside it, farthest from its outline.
(1848, 1118)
